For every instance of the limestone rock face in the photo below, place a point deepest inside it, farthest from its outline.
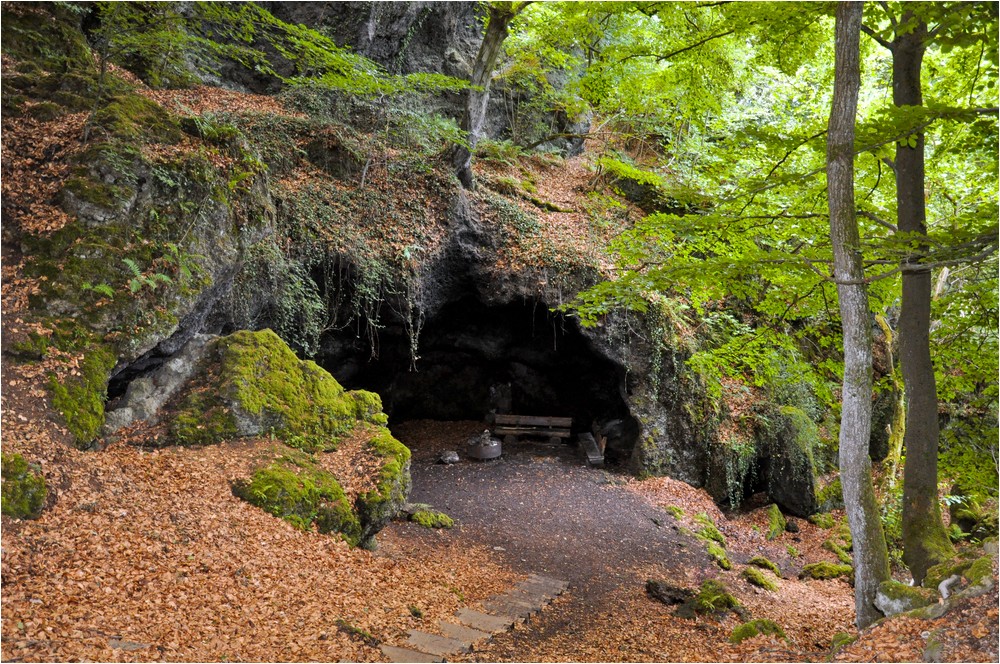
(894, 597)
(147, 394)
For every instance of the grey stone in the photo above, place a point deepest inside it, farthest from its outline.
(436, 645)
(461, 632)
(396, 654)
(483, 621)
(894, 597)
(449, 457)
(146, 395)
(507, 606)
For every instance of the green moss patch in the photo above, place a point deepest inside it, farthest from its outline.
(255, 384)
(824, 520)
(708, 530)
(755, 628)
(712, 598)
(675, 511)
(23, 491)
(759, 578)
(776, 522)
(135, 118)
(378, 506)
(837, 550)
(895, 597)
(831, 496)
(432, 519)
(764, 563)
(718, 554)
(824, 570)
(294, 488)
(80, 399)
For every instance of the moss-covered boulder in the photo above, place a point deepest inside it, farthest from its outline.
(432, 519)
(758, 577)
(379, 505)
(830, 496)
(755, 628)
(712, 598)
(765, 563)
(894, 597)
(252, 384)
(294, 488)
(23, 491)
(776, 522)
(825, 570)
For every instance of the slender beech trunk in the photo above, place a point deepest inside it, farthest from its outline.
(871, 560)
(500, 16)
(925, 540)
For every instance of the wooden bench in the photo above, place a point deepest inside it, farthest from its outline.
(511, 426)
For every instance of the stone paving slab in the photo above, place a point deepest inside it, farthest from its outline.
(436, 645)
(483, 621)
(506, 607)
(395, 654)
(530, 595)
(548, 581)
(461, 632)
(547, 591)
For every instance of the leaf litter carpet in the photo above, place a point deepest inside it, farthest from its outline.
(146, 555)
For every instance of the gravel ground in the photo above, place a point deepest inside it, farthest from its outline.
(543, 510)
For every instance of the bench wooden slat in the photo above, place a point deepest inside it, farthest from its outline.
(531, 420)
(520, 431)
(594, 456)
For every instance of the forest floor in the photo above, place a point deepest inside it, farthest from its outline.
(542, 510)
(146, 555)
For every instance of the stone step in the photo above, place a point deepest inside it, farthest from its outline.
(547, 588)
(461, 632)
(436, 645)
(483, 621)
(548, 581)
(394, 654)
(530, 595)
(501, 606)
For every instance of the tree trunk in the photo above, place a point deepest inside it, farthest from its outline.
(499, 18)
(925, 540)
(871, 560)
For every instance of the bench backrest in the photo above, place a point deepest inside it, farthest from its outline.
(533, 421)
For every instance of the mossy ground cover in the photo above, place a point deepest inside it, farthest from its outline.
(23, 491)
(432, 519)
(825, 570)
(764, 563)
(755, 628)
(757, 577)
(712, 598)
(295, 489)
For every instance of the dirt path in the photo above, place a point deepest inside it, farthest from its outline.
(542, 510)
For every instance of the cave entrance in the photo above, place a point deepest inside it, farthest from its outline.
(476, 359)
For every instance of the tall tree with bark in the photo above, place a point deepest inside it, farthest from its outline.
(498, 19)
(925, 540)
(871, 560)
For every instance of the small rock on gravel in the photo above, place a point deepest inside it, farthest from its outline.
(448, 457)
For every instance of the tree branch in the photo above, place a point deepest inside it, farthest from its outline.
(877, 220)
(874, 35)
(667, 56)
